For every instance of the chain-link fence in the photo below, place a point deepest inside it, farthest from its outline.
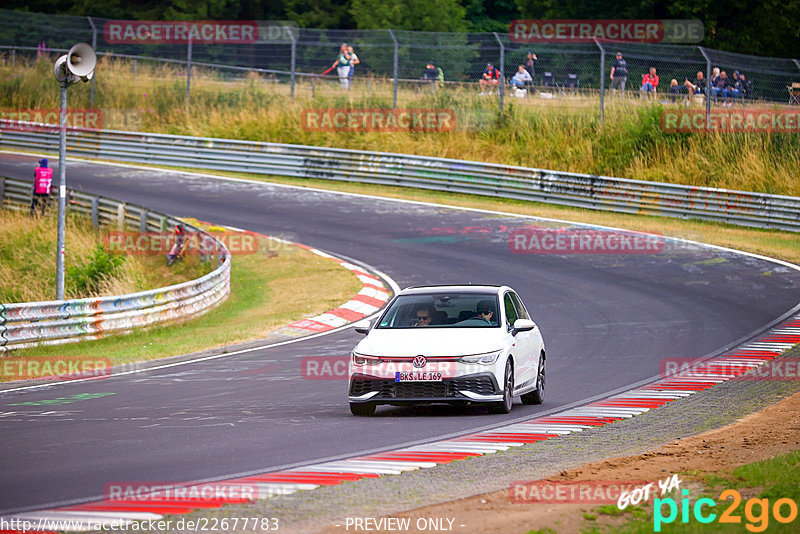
(394, 60)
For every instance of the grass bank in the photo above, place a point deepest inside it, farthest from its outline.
(563, 134)
(267, 291)
(28, 262)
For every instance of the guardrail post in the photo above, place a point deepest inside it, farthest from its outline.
(313, 85)
(134, 66)
(13, 56)
(94, 47)
(162, 224)
(502, 69)
(95, 212)
(121, 216)
(396, 54)
(2, 191)
(188, 72)
(602, 78)
(708, 87)
(143, 221)
(294, 57)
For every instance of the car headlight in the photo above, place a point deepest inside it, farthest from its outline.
(487, 358)
(363, 359)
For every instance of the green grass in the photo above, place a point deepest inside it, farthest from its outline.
(266, 292)
(563, 134)
(773, 479)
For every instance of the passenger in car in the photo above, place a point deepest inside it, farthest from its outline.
(424, 316)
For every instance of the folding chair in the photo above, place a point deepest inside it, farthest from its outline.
(548, 80)
(794, 93)
(572, 82)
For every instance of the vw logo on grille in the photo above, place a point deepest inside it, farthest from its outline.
(419, 361)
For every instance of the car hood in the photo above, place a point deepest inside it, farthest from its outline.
(431, 342)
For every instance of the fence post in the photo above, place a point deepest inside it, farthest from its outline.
(294, 56)
(708, 87)
(313, 86)
(121, 216)
(94, 47)
(602, 78)
(396, 52)
(95, 212)
(502, 69)
(797, 63)
(13, 57)
(188, 72)
(134, 66)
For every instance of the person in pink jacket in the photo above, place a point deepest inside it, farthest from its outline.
(42, 182)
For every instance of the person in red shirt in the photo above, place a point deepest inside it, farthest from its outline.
(650, 81)
(489, 79)
(42, 182)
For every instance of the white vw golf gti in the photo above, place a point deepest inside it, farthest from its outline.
(449, 344)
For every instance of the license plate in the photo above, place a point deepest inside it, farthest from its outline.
(418, 376)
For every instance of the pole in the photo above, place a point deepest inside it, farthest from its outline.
(94, 47)
(602, 78)
(708, 87)
(294, 56)
(502, 63)
(62, 193)
(396, 51)
(188, 72)
(795, 62)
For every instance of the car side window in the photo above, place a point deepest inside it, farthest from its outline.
(511, 310)
(523, 313)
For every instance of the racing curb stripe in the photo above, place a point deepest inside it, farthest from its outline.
(727, 366)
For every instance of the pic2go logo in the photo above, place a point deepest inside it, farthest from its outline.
(756, 511)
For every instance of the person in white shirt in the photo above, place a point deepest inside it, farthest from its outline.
(521, 78)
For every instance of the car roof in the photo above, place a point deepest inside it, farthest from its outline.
(467, 288)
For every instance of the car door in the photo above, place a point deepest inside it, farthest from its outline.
(522, 346)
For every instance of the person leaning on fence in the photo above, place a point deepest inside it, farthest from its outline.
(342, 65)
(42, 182)
(490, 78)
(353, 62)
(530, 64)
(619, 73)
(649, 81)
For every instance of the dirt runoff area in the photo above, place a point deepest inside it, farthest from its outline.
(759, 436)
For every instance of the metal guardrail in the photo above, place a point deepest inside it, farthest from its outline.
(564, 188)
(28, 324)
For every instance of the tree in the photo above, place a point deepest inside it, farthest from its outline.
(416, 15)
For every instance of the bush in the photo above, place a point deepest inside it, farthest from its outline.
(86, 278)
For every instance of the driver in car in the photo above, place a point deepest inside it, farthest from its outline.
(424, 316)
(485, 311)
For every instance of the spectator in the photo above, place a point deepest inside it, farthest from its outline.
(619, 73)
(747, 86)
(342, 65)
(42, 181)
(674, 90)
(489, 79)
(718, 83)
(521, 78)
(353, 62)
(737, 88)
(650, 81)
(429, 75)
(698, 86)
(530, 64)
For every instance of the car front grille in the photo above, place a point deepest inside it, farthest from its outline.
(389, 389)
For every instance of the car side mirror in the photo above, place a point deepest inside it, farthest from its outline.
(522, 325)
(362, 327)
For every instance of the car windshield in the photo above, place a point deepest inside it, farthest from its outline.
(442, 310)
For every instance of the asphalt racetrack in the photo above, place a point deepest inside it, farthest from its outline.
(608, 321)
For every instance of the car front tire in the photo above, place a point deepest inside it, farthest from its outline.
(363, 409)
(505, 405)
(537, 395)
